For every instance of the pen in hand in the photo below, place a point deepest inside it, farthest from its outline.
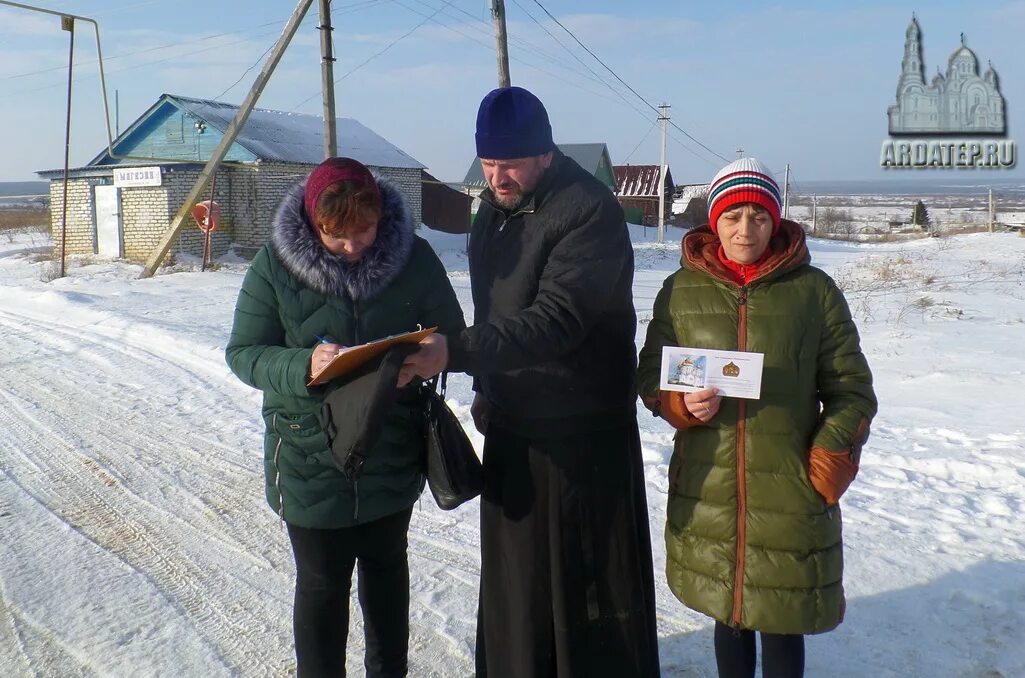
(323, 353)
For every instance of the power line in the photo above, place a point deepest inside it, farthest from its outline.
(484, 26)
(568, 50)
(143, 51)
(646, 135)
(625, 84)
(489, 47)
(145, 63)
(594, 76)
(344, 9)
(255, 64)
(374, 56)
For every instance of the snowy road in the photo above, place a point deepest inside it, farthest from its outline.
(136, 540)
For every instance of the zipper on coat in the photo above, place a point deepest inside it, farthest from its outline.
(355, 493)
(355, 323)
(738, 583)
(509, 218)
(355, 342)
(277, 470)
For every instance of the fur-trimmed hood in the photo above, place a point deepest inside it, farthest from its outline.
(305, 257)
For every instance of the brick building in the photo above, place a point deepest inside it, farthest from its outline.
(121, 205)
(637, 187)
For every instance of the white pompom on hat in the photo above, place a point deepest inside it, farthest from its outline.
(744, 180)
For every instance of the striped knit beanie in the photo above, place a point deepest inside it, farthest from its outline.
(744, 180)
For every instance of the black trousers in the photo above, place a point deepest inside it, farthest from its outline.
(566, 587)
(735, 654)
(324, 560)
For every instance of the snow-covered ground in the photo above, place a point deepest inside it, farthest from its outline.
(135, 541)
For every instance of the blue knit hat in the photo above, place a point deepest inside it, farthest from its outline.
(512, 123)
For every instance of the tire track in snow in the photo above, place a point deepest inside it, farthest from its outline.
(89, 497)
(115, 459)
(13, 654)
(73, 496)
(161, 397)
(212, 492)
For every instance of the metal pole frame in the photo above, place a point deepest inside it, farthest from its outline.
(103, 87)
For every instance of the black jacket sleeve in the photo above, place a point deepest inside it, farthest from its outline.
(581, 273)
(439, 306)
(659, 335)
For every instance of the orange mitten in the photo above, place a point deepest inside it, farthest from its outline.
(831, 473)
(674, 410)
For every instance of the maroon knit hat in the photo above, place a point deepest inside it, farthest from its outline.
(331, 171)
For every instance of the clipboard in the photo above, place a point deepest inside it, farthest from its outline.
(354, 356)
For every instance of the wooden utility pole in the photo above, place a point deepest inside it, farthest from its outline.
(992, 214)
(814, 205)
(179, 221)
(663, 118)
(502, 41)
(327, 77)
(786, 192)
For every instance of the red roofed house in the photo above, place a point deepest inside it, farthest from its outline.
(637, 190)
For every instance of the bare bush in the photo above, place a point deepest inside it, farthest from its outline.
(49, 271)
(24, 217)
(837, 222)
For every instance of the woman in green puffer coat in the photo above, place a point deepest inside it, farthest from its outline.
(343, 267)
(753, 535)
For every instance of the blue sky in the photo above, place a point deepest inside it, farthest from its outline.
(805, 83)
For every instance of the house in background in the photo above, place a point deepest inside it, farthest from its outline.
(592, 157)
(690, 205)
(637, 187)
(446, 207)
(122, 208)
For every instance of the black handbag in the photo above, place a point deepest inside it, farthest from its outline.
(454, 472)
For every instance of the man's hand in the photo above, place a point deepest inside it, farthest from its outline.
(430, 360)
(480, 410)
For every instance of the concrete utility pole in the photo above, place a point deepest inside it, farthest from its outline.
(663, 118)
(184, 212)
(502, 41)
(814, 205)
(327, 78)
(786, 192)
(740, 153)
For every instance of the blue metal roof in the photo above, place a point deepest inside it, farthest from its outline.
(278, 136)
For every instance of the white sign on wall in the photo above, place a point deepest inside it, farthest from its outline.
(128, 177)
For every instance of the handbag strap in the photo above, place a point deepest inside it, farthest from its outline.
(432, 384)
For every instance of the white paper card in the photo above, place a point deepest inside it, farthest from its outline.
(735, 373)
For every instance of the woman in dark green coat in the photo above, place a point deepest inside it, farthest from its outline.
(343, 267)
(753, 534)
